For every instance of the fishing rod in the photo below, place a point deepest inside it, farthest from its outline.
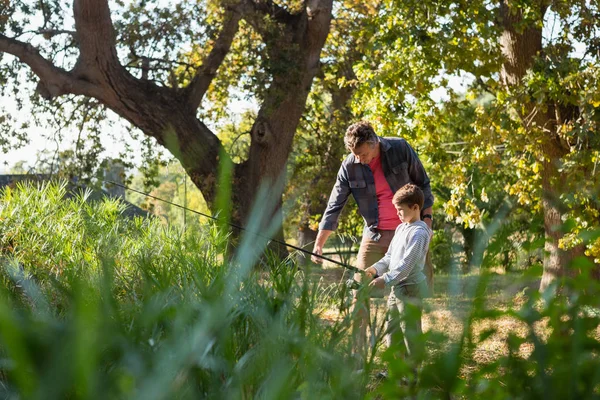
(348, 267)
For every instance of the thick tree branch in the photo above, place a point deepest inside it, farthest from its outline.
(97, 40)
(54, 81)
(253, 12)
(278, 13)
(206, 73)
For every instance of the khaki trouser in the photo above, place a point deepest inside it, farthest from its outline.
(369, 253)
(405, 307)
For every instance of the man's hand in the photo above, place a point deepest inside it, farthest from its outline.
(378, 283)
(319, 244)
(315, 259)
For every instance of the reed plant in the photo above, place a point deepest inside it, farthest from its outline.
(94, 305)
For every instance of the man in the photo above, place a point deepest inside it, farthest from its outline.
(373, 171)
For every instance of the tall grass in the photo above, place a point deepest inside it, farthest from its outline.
(94, 305)
(97, 306)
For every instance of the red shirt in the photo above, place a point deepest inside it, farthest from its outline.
(388, 217)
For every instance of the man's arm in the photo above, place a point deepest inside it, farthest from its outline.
(322, 237)
(419, 177)
(337, 200)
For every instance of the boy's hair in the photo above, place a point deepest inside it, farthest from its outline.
(409, 194)
(359, 133)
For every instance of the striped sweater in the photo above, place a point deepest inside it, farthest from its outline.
(404, 261)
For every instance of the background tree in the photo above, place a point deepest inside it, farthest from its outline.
(319, 147)
(133, 60)
(531, 130)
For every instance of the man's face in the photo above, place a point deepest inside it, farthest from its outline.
(366, 152)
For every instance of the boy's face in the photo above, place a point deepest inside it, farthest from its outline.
(408, 213)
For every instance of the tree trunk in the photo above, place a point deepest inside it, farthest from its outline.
(298, 47)
(519, 47)
(555, 259)
(306, 240)
(469, 237)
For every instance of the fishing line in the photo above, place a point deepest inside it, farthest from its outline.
(349, 267)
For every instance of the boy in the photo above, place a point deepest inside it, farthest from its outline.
(402, 267)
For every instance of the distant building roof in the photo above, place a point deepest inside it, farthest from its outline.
(73, 187)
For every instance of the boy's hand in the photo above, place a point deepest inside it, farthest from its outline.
(378, 283)
(370, 272)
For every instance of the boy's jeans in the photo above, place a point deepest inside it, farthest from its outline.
(404, 317)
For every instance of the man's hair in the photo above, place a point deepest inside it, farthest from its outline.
(410, 195)
(359, 133)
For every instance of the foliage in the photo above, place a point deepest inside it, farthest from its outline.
(481, 149)
(441, 251)
(236, 137)
(554, 357)
(173, 186)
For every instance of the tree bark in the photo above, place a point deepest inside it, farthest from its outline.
(306, 239)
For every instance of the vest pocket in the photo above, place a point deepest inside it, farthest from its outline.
(401, 168)
(358, 184)
(400, 175)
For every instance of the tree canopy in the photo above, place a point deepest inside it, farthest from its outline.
(526, 127)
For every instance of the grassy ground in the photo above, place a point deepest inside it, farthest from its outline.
(448, 309)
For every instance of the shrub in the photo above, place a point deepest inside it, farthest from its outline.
(441, 251)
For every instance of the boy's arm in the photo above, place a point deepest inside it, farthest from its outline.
(381, 266)
(415, 250)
